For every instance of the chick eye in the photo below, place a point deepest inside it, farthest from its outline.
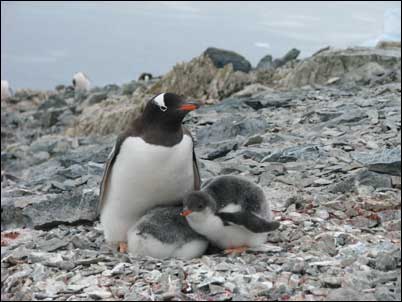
(200, 207)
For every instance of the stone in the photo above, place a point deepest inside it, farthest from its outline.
(221, 57)
(229, 128)
(53, 101)
(94, 98)
(296, 266)
(50, 209)
(265, 63)
(348, 294)
(386, 261)
(294, 154)
(331, 282)
(221, 150)
(289, 56)
(254, 140)
(385, 161)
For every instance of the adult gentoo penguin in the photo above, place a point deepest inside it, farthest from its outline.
(152, 163)
(6, 91)
(162, 233)
(231, 212)
(81, 82)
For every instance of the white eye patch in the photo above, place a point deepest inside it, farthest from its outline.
(160, 101)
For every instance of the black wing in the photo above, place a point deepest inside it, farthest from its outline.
(250, 221)
(108, 169)
(197, 178)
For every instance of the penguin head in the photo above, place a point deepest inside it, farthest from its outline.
(198, 204)
(169, 108)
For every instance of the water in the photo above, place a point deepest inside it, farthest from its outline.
(44, 43)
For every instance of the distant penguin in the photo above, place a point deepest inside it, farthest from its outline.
(81, 82)
(231, 212)
(6, 91)
(162, 233)
(152, 163)
(145, 77)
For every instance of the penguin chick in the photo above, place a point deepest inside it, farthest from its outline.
(162, 233)
(230, 212)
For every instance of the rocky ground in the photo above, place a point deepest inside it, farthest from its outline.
(327, 156)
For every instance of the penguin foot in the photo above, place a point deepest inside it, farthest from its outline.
(236, 250)
(123, 247)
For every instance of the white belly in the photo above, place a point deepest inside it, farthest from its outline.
(144, 176)
(222, 236)
(139, 245)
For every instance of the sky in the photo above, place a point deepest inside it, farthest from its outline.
(44, 43)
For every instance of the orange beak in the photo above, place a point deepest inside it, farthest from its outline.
(186, 213)
(190, 106)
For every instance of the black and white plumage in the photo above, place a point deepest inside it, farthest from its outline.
(152, 164)
(81, 82)
(162, 233)
(145, 76)
(6, 91)
(231, 212)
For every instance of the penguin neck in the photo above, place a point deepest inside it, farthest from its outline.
(164, 134)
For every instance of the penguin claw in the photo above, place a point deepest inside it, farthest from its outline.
(123, 247)
(236, 250)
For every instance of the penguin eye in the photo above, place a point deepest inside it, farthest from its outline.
(200, 206)
(163, 108)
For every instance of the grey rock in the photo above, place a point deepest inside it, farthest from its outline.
(385, 161)
(331, 282)
(51, 209)
(349, 294)
(51, 117)
(386, 261)
(231, 127)
(289, 56)
(95, 98)
(294, 153)
(296, 266)
(221, 150)
(351, 65)
(53, 245)
(221, 57)
(266, 100)
(54, 101)
(73, 171)
(129, 88)
(254, 140)
(362, 178)
(265, 63)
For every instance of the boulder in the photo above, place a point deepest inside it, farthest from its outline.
(289, 56)
(386, 161)
(265, 63)
(43, 211)
(230, 127)
(222, 57)
(358, 65)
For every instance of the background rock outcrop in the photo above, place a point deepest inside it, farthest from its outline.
(359, 65)
(200, 78)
